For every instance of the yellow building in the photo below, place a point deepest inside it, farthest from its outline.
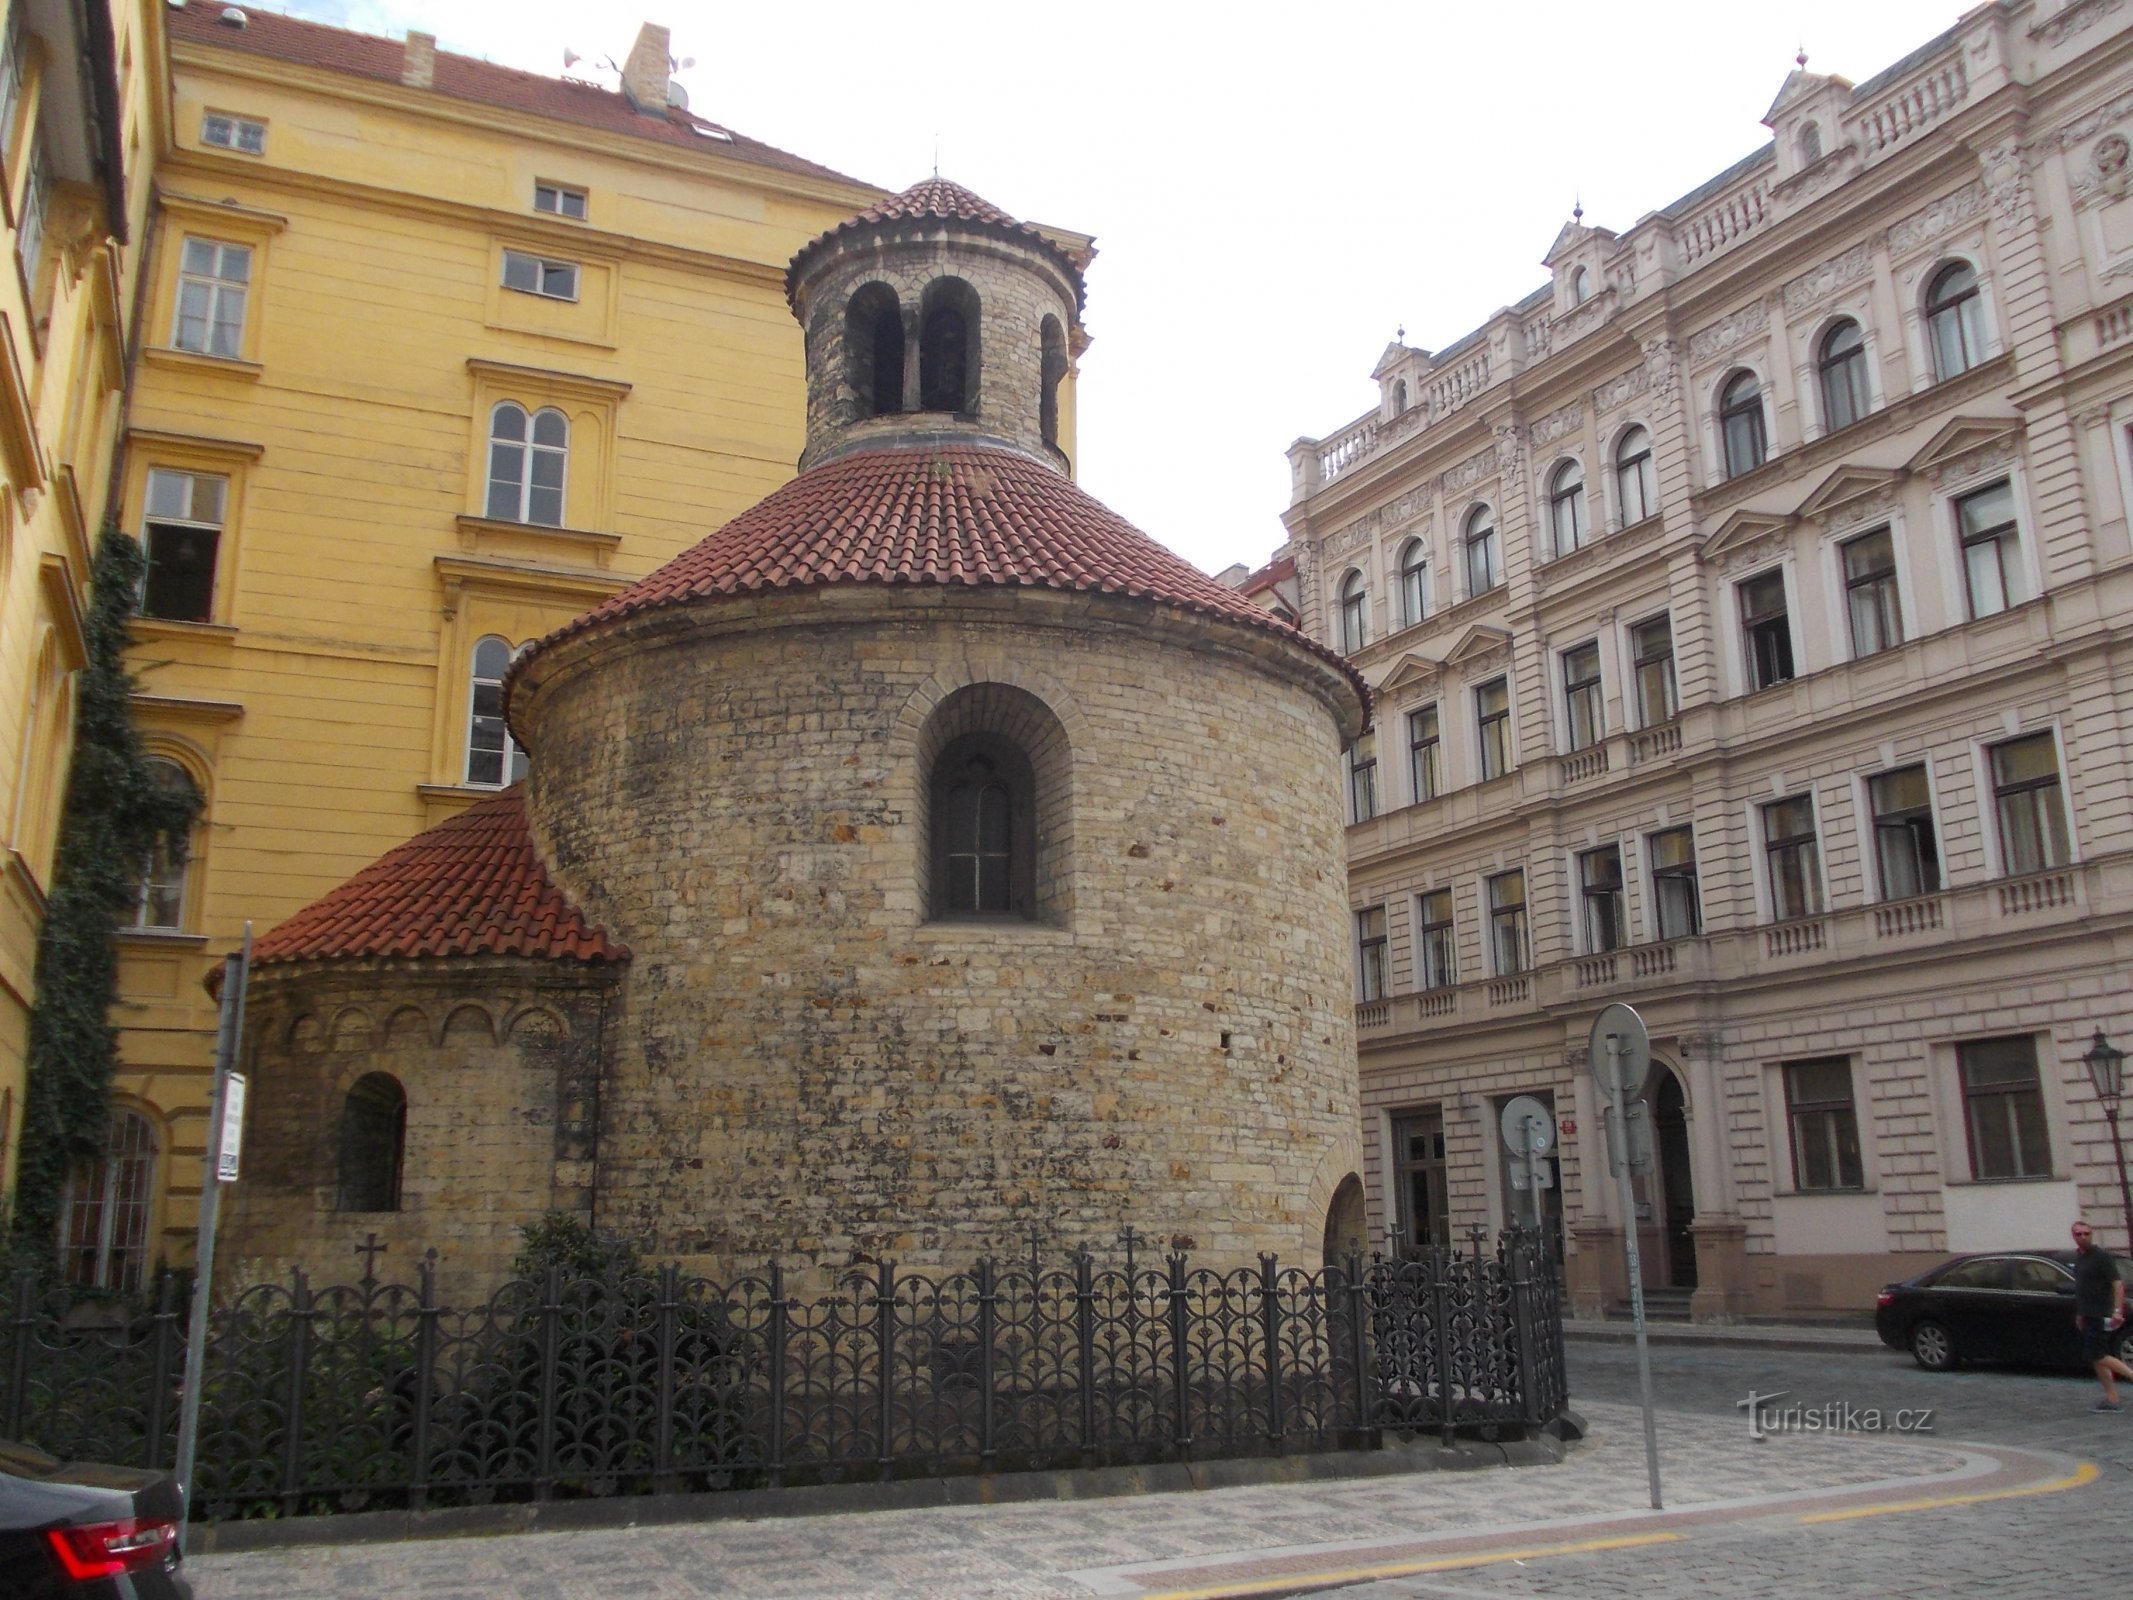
(80, 118)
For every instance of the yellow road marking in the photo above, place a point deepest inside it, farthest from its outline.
(1405, 1569)
(2086, 1473)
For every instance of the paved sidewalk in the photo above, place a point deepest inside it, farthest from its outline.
(1744, 1335)
(1265, 1540)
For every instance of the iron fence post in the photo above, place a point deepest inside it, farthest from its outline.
(885, 1346)
(544, 1440)
(18, 1364)
(166, 1323)
(1443, 1263)
(1358, 1348)
(1270, 1316)
(776, 1465)
(1520, 1261)
(663, 1417)
(1180, 1375)
(1085, 1336)
(988, 1298)
(418, 1487)
(292, 1439)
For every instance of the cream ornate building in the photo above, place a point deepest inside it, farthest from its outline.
(1743, 610)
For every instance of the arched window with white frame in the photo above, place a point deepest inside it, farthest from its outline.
(528, 461)
(1955, 320)
(1741, 428)
(1636, 485)
(159, 903)
(1840, 370)
(494, 757)
(1484, 552)
(106, 1205)
(1355, 612)
(1566, 507)
(1414, 582)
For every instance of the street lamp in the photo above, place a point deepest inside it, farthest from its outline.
(2107, 1067)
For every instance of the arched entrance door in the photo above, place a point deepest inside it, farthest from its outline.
(1345, 1225)
(1669, 1192)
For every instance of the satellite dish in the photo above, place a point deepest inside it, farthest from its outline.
(570, 58)
(677, 96)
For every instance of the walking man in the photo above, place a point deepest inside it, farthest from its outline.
(2099, 1312)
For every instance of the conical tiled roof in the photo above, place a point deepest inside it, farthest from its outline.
(936, 197)
(471, 886)
(968, 515)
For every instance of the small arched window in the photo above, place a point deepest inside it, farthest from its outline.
(874, 350)
(1054, 355)
(1955, 321)
(983, 804)
(527, 457)
(1484, 557)
(105, 1208)
(1841, 366)
(1414, 582)
(1355, 613)
(1740, 422)
(1580, 287)
(948, 347)
(494, 758)
(1566, 507)
(1810, 144)
(1636, 486)
(160, 902)
(1399, 397)
(373, 1143)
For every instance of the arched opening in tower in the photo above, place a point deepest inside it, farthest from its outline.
(1054, 368)
(948, 347)
(874, 350)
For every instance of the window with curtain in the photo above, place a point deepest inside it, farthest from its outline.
(1955, 321)
(1841, 367)
(1636, 486)
(1740, 423)
(494, 757)
(528, 460)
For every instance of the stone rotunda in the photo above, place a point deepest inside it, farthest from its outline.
(925, 864)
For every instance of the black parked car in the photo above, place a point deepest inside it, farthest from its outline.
(73, 1531)
(2009, 1305)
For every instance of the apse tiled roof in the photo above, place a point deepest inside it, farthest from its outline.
(962, 515)
(314, 44)
(471, 886)
(936, 197)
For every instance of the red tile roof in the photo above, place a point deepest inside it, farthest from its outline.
(471, 886)
(970, 515)
(313, 44)
(937, 198)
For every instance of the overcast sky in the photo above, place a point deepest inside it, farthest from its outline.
(1273, 190)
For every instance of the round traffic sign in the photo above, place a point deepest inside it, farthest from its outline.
(1528, 1126)
(1632, 1055)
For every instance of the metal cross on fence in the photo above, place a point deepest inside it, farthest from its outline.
(1130, 1239)
(1036, 1257)
(369, 1250)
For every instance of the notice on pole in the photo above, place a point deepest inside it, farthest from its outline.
(232, 1139)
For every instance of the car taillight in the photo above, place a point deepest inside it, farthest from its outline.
(113, 1549)
(1884, 1299)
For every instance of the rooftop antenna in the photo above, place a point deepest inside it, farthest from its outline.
(1577, 208)
(936, 155)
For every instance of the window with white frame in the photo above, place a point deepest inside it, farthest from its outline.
(494, 757)
(1484, 554)
(1507, 923)
(1766, 630)
(213, 281)
(1585, 712)
(1955, 321)
(1840, 367)
(1676, 905)
(1425, 754)
(10, 80)
(227, 132)
(528, 456)
(1870, 597)
(1740, 424)
(1792, 858)
(1492, 727)
(1414, 582)
(1906, 843)
(559, 200)
(530, 274)
(2030, 804)
(181, 530)
(1363, 777)
(1371, 974)
(1651, 645)
(1600, 897)
(1436, 964)
(1355, 613)
(1824, 1125)
(105, 1207)
(159, 901)
(1636, 485)
(29, 227)
(1566, 507)
(2003, 1108)
(1992, 559)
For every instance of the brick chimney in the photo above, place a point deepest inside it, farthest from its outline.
(419, 67)
(644, 75)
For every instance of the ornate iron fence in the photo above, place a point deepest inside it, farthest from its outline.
(374, 1395)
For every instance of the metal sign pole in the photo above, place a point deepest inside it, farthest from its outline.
(1618, 1102)
(229, 1034)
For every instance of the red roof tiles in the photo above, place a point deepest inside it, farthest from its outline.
(937, 198)
(963, 514)
(313, 44)
(471, 886)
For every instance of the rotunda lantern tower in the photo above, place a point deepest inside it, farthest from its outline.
(935, 315)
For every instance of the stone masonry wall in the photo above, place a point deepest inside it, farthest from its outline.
(805, 1067)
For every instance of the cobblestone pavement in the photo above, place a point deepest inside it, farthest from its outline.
(1736, 1536)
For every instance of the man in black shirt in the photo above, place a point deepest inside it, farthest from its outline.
(2099, 1312)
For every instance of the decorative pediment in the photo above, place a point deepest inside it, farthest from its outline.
(1396, 354)
(1846, 484)
(1800, 84)
(1409, 672)
(1744, 530)
(1961, 437)
(1573, 235)
(1478, 643)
